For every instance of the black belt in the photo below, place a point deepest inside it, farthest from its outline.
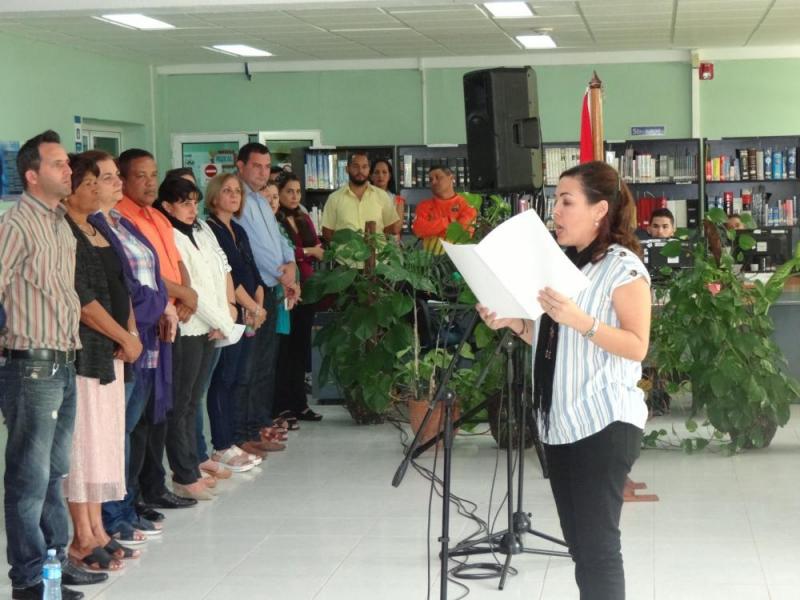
(56, 356)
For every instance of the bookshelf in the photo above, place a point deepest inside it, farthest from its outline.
(324, 170)
(755, 174)
(660, 173)
(557, 157)
(411, 172)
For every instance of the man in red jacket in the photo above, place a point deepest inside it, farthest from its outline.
(434, 215)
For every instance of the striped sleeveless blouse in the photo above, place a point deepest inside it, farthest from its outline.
(593, 388)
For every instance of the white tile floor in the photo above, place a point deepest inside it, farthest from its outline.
(321, 521)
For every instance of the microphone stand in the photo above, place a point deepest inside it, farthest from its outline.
(509, 541)
(443, 394)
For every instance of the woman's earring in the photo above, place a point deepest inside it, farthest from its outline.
(596, 223)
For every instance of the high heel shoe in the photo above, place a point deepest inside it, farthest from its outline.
(185, 492)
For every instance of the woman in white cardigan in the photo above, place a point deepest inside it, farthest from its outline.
(215, 318)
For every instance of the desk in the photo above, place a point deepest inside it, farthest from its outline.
(785, 312)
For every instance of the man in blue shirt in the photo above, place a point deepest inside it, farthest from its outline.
(274, 258)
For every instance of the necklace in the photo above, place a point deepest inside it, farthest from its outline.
(90, 234)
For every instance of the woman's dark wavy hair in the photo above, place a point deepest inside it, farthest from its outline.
(300, 219)
(176, 189)
(388, 164)
(600, 181)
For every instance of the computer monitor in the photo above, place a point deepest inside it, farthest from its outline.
(654, 260)
(773, 247)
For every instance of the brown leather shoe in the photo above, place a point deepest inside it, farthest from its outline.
(254, 448)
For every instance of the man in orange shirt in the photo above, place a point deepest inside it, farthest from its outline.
(145, 408)
(434, 215)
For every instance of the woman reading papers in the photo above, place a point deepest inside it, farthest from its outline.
(587, 364)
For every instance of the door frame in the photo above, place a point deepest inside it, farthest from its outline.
(178, 139)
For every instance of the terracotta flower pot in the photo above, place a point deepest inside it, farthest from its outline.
(416, 414)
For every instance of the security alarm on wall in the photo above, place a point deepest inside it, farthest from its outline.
(706, 71)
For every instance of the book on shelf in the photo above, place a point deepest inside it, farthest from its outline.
(753, 164)
(324, 170)
(766, 210)
(557, 160)
(414, 171)
(645, 205)
(645, 167)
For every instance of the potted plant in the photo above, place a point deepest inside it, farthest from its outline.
(372, 324)
(712, 333)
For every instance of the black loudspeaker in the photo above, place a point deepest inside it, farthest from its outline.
(503, 134)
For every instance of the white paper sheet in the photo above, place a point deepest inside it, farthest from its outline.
(509, 267)
(234, 337)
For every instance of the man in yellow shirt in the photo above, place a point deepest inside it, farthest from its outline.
(351, 206)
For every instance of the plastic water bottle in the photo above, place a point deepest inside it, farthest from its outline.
(51, 576)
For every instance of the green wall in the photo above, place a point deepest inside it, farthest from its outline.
(750, 98)
(385, 107)
(45, 86)
(349, 107)
(635, 94)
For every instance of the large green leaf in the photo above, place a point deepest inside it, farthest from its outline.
(717, 216)
(457, 234)
(398, 338)
(365, 320)
(402, 305)
(392, 272)
(671, 249)
(339, 280)
(747, 241)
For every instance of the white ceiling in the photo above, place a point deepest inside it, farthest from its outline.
(365, 29)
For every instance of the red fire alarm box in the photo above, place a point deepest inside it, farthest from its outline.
(706, 71)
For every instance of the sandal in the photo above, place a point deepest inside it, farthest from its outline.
(130, 536)
(98, 560)
(147, 527)
(287, 420)
(233, 461)
(273, 434)
(114, 548)
(309, 415)
(214, 469)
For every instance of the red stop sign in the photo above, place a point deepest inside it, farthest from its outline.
(210, 170)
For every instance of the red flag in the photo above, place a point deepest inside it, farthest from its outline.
(587, 147)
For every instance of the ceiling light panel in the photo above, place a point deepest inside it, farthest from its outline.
(136, 21)
(509, 10)
(536, 42)
(240, 50)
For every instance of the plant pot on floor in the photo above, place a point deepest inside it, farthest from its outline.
(361, 414)
(416, 414)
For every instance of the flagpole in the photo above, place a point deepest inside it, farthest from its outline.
(596, 115)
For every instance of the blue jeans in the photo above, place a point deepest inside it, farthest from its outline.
(260, 395)
(117, 513)
(202, 445)
(227, 393)
(38, 403)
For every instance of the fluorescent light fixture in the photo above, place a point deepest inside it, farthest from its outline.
(368, 29)
(135, 21)
(238, 50)
(536, 42)
(509, 10)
